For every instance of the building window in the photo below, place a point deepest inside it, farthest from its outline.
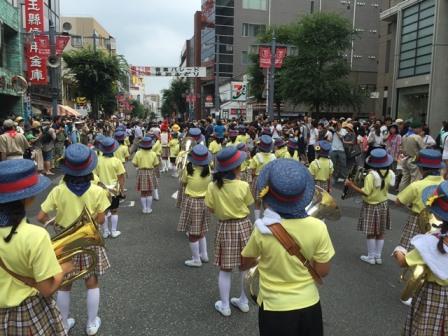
(252, 30)
(76, 41)
(416, 39)
(255, 4)
(245, 58)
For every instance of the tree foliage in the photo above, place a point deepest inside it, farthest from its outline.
(173, 98)
(96, 74)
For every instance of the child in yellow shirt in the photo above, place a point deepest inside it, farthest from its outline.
(174, 146)
(281, 149)
(322, 167)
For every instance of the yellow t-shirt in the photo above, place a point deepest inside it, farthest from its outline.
(285, 284)
(414, 258)
(127, 142)
(375, 195)
(232, 201)
(245, 165)
(145, 159)
(214, 147)
(174, 147)
(321, 168)
(30, 254)
(281, 153)
(69, 207)
(242, 138)
(294, 157)
(260, 160)
(122, 153)
(108, 170)
(232, 144)
(157, 148)
(196, 186)
(412, 194)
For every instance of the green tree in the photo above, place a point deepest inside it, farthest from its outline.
(138, 109)
(173, 98)
(96, 75)
(318, 75)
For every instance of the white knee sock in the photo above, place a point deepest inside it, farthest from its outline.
(195, 251)
(63, 303)
(93, 303)
(149, 202)
(156, 194)
(106, 223)
(379, 248)
(257, 214)
(143, 201)
(203, 247)
(224, 283)
(243, 296)
(114, 221)
(371, 248)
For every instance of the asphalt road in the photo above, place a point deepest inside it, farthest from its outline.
(149, 291)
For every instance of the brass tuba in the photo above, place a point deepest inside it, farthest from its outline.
(186, 146)
(323, 206)
(75, 240)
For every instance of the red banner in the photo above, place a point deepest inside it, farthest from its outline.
(36, 61)
(43, 45)
(280, 54)
(61, 43)
(264, 54)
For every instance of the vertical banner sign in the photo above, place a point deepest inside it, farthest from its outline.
(280, 54)
(34, 23)
(264, 54)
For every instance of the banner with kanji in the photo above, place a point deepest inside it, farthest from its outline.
(35, 58)
(264, 54)
(280, 54)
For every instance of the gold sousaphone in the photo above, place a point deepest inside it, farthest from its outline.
(322, 206)
(75, 240)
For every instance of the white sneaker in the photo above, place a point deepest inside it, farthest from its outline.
(193, 263)
(204, 259)
(244, 307)
(106, 235)
(378, 261)
(368, 259)
(115, 234)
(223, 311)
(70, 324)
(148, 211)
(144, 210)
(408, 302)
(92, 329)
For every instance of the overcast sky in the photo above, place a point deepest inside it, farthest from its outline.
(148, 32)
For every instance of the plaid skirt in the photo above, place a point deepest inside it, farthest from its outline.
(428, 315)
(231, 238)
(83, 261)
(245, 176)
(194, 217)
(36, 316)
(145, 179)
(253, 188)
(165, 153)
(410, 230)
(322, 184)
(374, 219)
(157, 172)
(180, 195)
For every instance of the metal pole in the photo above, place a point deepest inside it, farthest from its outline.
(353, 39)
(271, 84)
(54, 82)
(217, 100)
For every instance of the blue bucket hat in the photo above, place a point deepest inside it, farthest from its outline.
(98, 139)
(108, 145)
(19, 180)
(119, 135)
(121, 128)
(266, 144)
(436, 200)
(379, 158)
(233, 133)
(293, 144)
(146, 142)
(195, 133)
(229, 158)
(242, 147)
(79, 160)
(287, 187)
(279, 142)
(323, 148)
(429, 158)
(200, 156)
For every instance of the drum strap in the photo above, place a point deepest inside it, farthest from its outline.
(293, 248)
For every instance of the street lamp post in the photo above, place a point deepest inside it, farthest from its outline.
(217, 100)
(54, 80)
(271, 80)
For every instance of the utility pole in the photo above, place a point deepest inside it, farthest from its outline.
(271, 80)
(54, 80)
(217, 100)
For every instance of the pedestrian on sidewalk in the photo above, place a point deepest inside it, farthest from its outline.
(30, 270)
(195, 216)
(411, 143)
(69, 199)
(288, 298)
(229, 199)
(428, 313)
(374, 218)
(146, 161)
(322, 168)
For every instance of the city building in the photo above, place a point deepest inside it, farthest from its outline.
(413, 67)
(229, 29)
(11, 59)
(152, 103)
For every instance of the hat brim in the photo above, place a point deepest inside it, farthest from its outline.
(435, 209)
(386, 164)
(264, 149)
(200, 163)
(234, 165)
(42, 184)
(86, 171)
(283, 207)
(424, 165)
(145, 147)
(116, 145)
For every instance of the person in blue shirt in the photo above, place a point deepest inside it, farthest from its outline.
(219, 129)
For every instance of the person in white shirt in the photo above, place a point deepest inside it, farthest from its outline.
(338, 153)
(428, 140)
(313, 138)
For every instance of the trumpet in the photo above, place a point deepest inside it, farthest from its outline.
(76, 240)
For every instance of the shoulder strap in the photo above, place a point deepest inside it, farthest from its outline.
(27, 281)
(293, 248)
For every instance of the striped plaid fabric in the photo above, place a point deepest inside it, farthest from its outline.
(428, 315)
(145, 179)
(194, 217)
(83, 261)
(410, 230)
(374, 219)
(34, 316)
(165, 153)
(253, 188)
(180, 195)
(322, 184)
(231, 238)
